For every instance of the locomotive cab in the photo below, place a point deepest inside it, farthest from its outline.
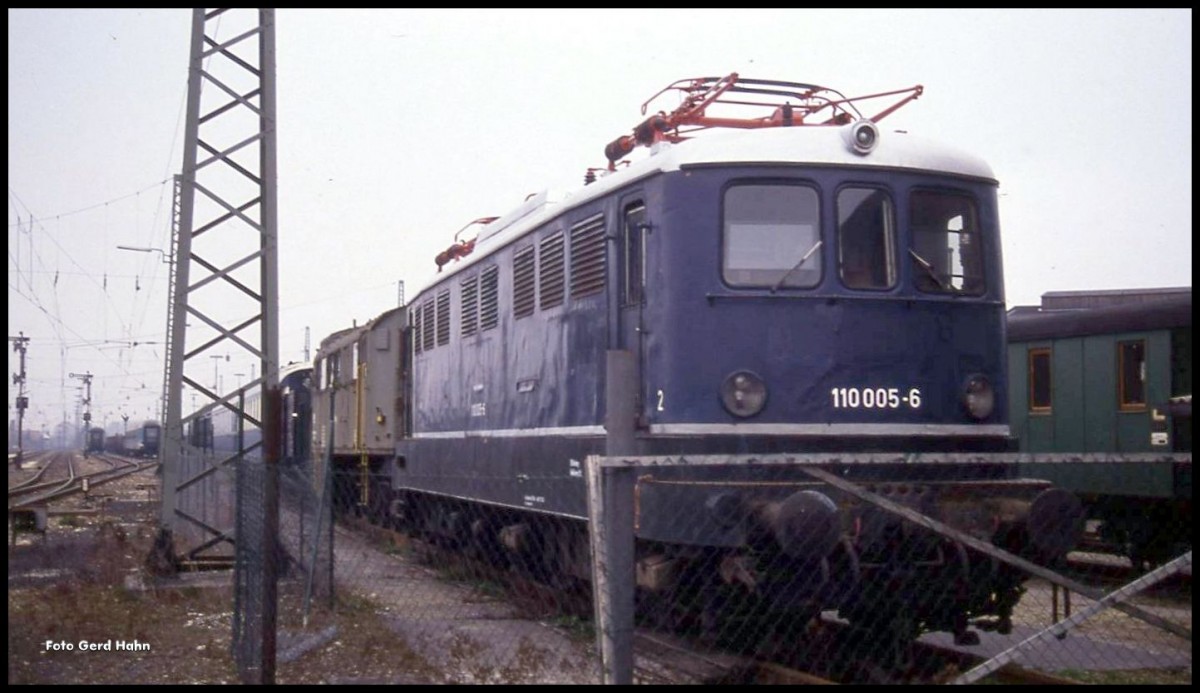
(831, 297)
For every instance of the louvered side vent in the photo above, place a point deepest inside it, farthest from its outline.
(489, 298)
(416, 323)
(552, 271)
(523, 278)
(427, 319)
(587, 258)
(470, 306)
(443, 318)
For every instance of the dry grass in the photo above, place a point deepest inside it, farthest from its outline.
(84, 598)
(84, 581)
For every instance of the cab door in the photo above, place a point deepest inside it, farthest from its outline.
(631, 291)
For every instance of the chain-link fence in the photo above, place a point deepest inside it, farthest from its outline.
(250, 604)
(441, 590)
(712, 570)
(857, 570)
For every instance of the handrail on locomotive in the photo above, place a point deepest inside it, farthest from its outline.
(704, 92)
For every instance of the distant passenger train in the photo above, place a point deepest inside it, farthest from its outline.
(217, 432)
(1111, 372)
(142, 441)
(95, 440)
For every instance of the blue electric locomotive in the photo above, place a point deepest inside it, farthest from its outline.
(800, 282)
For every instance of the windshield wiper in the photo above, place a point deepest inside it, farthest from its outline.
(796, 266)
(925, 265)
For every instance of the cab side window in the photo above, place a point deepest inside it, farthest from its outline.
(866, 238)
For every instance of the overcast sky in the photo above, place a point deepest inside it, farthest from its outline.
(397, 127)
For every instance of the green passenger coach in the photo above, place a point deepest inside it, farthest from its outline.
(1108, 375)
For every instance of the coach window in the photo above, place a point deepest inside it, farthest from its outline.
(1131, 376)
(771, 236)
(1039, 381)
(866, 238)
(633, 245)
(946, 252)
(331, 370)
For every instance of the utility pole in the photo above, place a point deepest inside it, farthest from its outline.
(87, 402)
(19, 345)
(306, 344)
(217, 370)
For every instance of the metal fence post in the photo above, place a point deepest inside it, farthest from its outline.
(271, 546)
(610, 506)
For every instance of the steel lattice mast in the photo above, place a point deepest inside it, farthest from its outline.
(224, 273)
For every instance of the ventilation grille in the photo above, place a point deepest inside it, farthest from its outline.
(427, 319)
(587, 258)
(443, 318)
(489, 298)
(415, 318)
(470, 306)
(552, 271)
(523, 295)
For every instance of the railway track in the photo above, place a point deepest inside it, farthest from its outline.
(36, 483)
(44, 461)
(36, 491)
(1109, 571)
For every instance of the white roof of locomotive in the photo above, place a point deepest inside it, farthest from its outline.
(808, 145)
(823, 145)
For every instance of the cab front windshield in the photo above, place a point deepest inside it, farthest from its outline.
(772, 238)
(770, 235)
(946, 252)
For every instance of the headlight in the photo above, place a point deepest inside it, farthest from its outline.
(743, 393)
(978, 397)
(862, 136)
